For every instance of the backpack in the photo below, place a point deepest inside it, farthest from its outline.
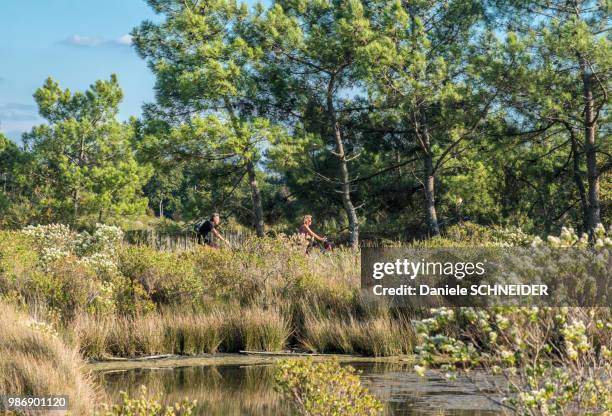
(197, 225)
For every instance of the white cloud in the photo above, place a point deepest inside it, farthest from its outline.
(125, 40)
(95, 41)
(83, 41)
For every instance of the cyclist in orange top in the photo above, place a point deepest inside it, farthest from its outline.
(310, 235)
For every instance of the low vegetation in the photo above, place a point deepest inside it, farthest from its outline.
(122, 300)
(147, 406)
(325, 388)
(95, 295)
(35, 361)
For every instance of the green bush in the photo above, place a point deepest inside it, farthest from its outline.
(18, 263)
(67, 286)
(167, 278)
(147, 406)
(325, 389)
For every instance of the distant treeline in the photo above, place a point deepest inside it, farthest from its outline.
(393, 118)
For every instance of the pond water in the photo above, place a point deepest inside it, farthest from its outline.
(248, 389)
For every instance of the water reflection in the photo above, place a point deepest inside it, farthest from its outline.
(248, 390)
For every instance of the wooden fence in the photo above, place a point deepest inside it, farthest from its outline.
(177, 242)
(187, 240)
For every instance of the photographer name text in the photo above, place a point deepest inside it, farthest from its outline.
(408, 269)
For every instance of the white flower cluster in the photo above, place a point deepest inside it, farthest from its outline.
(580, 378)
(569, 238)
(105, 239)
(97, 250)
(53, 241)
(510, 237)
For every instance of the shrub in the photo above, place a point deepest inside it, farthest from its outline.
(552, 359)
(56, 241)
(18, 261)
(475, 235)
(128, 297)
(167, 278)
(147, 406)
(325, 389)
(67, 286)
(52, 241)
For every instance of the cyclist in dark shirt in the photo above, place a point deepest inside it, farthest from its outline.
(208, 233)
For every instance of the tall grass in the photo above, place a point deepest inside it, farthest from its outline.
(371, 335)
(192, 334)
(34, 361)
(169, 332)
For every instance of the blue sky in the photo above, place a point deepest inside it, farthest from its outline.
(73, 41)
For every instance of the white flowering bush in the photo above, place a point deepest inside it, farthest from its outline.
(79, 268)
(575, 271)
(97, 250)
(105, 239)
(568, 238)
(553, 361)
(53, 241)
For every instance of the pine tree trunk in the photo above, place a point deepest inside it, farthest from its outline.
(75, 205)
(349, 208)
(580, 185)
(429, 188)
(256, 200)
(590, 151)
(430, 195)
(75, 193)
(255, 194)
